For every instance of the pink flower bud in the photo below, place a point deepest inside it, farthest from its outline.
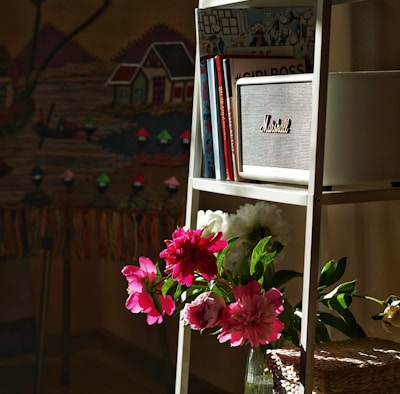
(205, 311)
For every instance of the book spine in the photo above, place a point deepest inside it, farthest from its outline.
(224, 119)
(205, 123)
(230, 103)
(219, 161)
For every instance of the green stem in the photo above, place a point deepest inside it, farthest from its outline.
(380, 302)
(225, 284)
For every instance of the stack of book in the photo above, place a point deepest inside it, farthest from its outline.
(236, 43)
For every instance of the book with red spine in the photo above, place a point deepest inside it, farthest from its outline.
(225, 129)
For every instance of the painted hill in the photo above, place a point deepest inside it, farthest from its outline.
(49, 36)
(135, 51)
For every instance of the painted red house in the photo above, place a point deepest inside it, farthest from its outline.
(164, 76)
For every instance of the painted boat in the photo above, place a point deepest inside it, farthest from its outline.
(64, 129)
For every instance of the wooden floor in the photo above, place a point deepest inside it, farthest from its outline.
(98, 364)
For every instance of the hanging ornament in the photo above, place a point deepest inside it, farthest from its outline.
(172, 185)
(137, 182)
(38, 198)
(68, 178)
(37, 175)
(102, 182)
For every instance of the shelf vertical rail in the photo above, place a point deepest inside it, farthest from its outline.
(314, 203)
(192, 206)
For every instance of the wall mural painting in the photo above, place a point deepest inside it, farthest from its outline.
(95, 120)
(84, 129)
(95, 117)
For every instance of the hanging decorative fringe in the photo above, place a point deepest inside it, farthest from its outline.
(85, 233)
(14, 232)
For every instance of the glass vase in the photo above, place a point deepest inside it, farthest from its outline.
(258, 379)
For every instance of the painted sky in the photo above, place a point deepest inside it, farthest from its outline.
(123, 21)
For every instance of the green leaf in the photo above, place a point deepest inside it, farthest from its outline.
(268, 258)
(157, 303)
(345, 323)
(347, 287)
(344, 288)
(178, 292)
(264, 270)
(344, 300)
(332, 272)
(392, 300)
(158, 269)
(355, 329)
(287, 315)
(257, 253)
(327, 270)
(340, 301)
(188, 299)
(168, 283)
(337, 323)
(221, 254)
(215, 288)
(283, 276)
(378, 316)
(321, 332)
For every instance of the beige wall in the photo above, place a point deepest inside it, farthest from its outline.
(366, 233)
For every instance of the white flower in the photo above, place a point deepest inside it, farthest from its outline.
(251, 223)
(262, 214)
(213, 221)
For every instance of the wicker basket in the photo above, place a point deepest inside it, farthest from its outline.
(355, 366)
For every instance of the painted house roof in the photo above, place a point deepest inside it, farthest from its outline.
(175, 58)
(123, 74)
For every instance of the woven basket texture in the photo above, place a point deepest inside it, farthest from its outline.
(355, 366)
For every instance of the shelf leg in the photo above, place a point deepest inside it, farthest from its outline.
(66, 306)
(66, 319)
(183, 358)
(47, 245)
(315, 187)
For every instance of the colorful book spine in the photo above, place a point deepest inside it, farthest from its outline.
(218, 148)
(230, 103)
(205, 123)
(225, 130)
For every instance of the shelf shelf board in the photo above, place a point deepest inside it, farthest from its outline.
(360, 195)
(293, 194)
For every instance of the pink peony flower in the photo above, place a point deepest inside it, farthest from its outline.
(189, 252)
(143, 290)
(253, 318)
(205, 311)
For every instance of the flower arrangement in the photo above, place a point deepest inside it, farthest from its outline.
(224, 278)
